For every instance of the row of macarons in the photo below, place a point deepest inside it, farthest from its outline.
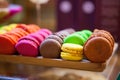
(49, 46)
(30, 40)
(64, 44)
(10, 34)
(68, 44)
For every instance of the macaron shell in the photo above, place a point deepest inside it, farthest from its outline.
(29, 38)
(45, 35)
(20, 31)
(97, 49)
(72, 48)
(14, 34)
(2, 31)
(75, 39)
(14, 40)
(7, 45)
(55, 37)
(69, 30)
(38, 37)
(26, 28)
(109, 35)
(87, 32)
(102, 34)
(50, 48)
(72, 57)
(27, 48)
(62, 34)
(13, 25)
(46, 31)
(82, 34)
(36, 27)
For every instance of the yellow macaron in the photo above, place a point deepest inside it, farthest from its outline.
(71, 52)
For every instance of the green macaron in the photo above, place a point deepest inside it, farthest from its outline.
(87, 32)
(84, 35)
(75, 39)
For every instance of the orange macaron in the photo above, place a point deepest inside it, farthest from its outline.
(7, 45)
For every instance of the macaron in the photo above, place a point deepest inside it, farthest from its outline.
(50, 43)
(72, 52)
(29, 28)
(84, 35)
(55, 37)
(7, 28)
(64, 33)
(87, 32)
(29, 37)
(43, 34)
(99, 46)
(20, 31)
(13, 25)
(38, 37)
(46, 31)
(97, 49)
(6, 45)
(50, 48)
(34, 27)
(27, 48)
(75, 39)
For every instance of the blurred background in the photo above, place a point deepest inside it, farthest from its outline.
(78, 14)
(60, 14)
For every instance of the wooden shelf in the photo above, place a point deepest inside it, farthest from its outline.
(81, 65)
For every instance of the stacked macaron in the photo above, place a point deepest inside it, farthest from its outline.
(28, 45)
(51, 46)
(72, 48)
(99, 46)
(72, 52)
(6, 28)
(10, 38)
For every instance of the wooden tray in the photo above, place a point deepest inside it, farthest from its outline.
(81, 65)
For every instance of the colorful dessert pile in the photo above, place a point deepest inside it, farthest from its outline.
(72, 48)
(51, 46)
(10, 38)
(68, 44)
(28, 45)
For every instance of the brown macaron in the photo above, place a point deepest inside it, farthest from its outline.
(98, 49)
(99, 46)
(50, 48)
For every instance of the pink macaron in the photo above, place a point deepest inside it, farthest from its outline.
(27, 48)
(46, 31)
(43, 34)
(38, 37)
(28, 45)
(29, 38)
